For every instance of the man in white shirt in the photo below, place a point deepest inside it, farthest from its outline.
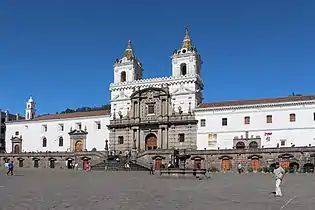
(279, 173)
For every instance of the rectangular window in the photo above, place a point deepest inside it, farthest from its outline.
(44, 128)
(17, 133)
(269, 119)
(150, 108)
(203, 123)
(181, 137)
(292, 117)
(314, 116)
(98, 125)
(120, 140)
(224, 121)
(282, 142)
(2, 120)
(246, 120)
(79, 126)
(61, 127)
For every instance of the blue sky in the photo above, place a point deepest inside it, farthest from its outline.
(62, 52)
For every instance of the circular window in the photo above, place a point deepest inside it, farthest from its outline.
(183, 51)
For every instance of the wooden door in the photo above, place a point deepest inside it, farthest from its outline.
(36, 164)
(255, 164)
(197, 164)
(226, 164)
(20, 163)
(52, 164)
(285, 164)
(158, 163)
(16, 149)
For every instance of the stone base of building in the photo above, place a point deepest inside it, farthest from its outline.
(57, 160)
(294, 159)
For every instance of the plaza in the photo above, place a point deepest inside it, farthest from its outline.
(67, 189)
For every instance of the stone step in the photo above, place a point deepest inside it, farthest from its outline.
(118, 166)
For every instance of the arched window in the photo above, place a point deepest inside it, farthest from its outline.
(44, 142)
(253, 144)
(240, 145)
(60, 142)
(123, 76)
(183, 69)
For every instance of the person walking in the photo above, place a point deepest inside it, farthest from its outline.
(151, 169)
(279, 174)
(10, 166)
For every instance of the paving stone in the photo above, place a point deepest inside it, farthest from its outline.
(44, 189)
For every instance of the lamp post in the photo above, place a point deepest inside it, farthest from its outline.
(106, 153)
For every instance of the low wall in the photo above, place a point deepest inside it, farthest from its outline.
(45, 159)
(230, 159)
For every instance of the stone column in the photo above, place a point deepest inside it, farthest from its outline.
(159, 141)
(138, 109)
(138, 139)
(166, 137)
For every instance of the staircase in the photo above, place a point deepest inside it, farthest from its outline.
(114, 165)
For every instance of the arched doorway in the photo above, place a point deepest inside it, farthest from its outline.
(52, 163)
(17, 149)
(158, 163)
(285, 163)
(78, 146)
(20, 162)
(308, 168)
(70, 163)
(150, 142)
(253, 144)
(294, 167)
(240, 145)
(36, 163)
(197, 163)
(255, 164)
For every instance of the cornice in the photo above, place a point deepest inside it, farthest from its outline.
(255, 106)
(160, 81)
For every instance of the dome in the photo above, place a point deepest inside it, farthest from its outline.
(30, 100)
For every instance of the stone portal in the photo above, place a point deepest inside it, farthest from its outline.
(78, 140)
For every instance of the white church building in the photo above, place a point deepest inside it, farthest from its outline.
(175, 100)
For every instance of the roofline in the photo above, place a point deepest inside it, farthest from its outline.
(258, 105)
(56, 119)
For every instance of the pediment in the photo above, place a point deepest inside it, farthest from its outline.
(78, 132)
(16, 139)
(182, 90)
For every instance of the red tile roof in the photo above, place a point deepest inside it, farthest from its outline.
(257, 101)
(69, 115)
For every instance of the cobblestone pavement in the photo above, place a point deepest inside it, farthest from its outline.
(45, 189)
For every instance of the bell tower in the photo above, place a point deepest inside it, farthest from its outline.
(186, 61)
(127, 68)
(30, 109)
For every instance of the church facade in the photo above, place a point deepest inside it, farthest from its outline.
(156, 113)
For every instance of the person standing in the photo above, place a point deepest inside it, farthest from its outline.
(10, 166)
(151, 169)
(239, 168)
(279, 173)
